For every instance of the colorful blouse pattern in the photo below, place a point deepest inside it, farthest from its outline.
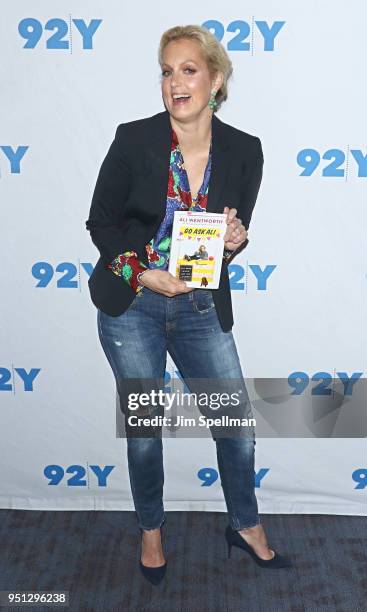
(179, 197)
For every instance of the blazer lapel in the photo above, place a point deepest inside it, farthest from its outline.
(220, 165)
(157, 158)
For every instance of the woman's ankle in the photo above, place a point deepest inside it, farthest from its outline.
(151, 532)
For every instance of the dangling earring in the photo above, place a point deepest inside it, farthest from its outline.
(212, 101)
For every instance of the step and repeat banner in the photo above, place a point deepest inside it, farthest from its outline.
(70, 73)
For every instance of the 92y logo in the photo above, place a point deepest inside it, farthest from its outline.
(335, 162)
(78, 475)
(243, 39)
(63, 31)
(17, 379)
(14, 156)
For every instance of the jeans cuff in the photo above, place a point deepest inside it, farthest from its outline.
(151, 528)
(237, 525)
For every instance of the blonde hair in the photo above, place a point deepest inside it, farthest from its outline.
(214, 53)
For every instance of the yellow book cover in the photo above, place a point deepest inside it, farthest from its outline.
(197, 246)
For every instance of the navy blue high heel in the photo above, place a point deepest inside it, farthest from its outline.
(235, 539)
(154, 575)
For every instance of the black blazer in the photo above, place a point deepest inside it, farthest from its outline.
(129, 200)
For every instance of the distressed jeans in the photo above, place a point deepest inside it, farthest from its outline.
(136, 344)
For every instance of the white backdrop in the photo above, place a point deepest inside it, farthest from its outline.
(64, 90)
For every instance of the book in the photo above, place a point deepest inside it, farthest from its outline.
(197, 246)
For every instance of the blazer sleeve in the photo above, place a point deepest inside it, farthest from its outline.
(251, 183)
(250, 188)
(105, 215)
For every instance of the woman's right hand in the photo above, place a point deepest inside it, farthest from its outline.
(163, 282)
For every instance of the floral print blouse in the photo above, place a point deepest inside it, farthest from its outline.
(179, 197)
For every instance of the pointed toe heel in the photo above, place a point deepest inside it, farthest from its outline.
(233, 538)
(154, 575)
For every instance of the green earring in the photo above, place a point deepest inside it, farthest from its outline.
(212, 101)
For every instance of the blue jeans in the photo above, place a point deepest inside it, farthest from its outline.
(136, 344)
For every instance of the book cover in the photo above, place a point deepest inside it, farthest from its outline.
(197, 246)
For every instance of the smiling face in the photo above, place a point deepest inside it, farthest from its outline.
(186, 81)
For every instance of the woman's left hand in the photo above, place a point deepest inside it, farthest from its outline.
(236, 233)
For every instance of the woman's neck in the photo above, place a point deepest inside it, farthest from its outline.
(194, 135)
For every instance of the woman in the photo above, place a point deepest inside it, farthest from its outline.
(201, 253)
(182, 158)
